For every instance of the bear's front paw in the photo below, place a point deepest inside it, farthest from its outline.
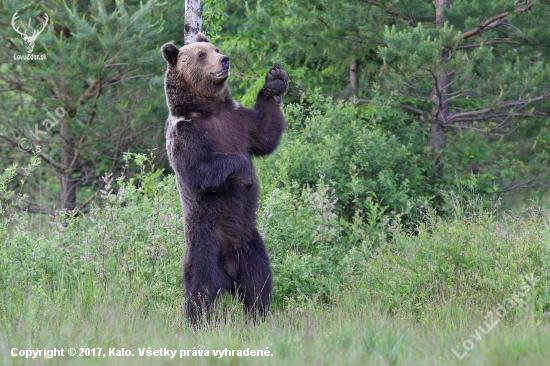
(247, 183)
(245, 172)
(276, 81)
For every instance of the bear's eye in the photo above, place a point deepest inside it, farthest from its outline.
(202, 55)
(218, 51)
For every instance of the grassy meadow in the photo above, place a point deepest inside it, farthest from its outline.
(466, 288)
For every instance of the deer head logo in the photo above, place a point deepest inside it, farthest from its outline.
(29, 40)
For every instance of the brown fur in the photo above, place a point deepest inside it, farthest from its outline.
(210, 140)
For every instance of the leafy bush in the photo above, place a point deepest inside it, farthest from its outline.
(133, 240)
(304, 237)
(348, 145)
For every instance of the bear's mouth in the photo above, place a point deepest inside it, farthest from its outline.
(221, 73)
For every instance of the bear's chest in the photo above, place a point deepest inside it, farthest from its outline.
(225, 134)
(218, 134)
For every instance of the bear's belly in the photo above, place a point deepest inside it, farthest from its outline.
(221, 226)
(230, 243)
(226, 219)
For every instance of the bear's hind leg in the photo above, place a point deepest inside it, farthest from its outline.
(202, 282)
(255, 279)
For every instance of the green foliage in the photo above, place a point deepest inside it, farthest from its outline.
(502, 71)
(304, 237)
(451, 261)
(398, 50)
(10, 201)
(213, 15)
(96, 248)
(417, 52)
(133, 241)
(347, 144)
(97, 94)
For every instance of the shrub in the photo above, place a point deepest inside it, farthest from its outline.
(347, 144)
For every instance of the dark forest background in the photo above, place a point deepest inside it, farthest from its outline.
(393, 101)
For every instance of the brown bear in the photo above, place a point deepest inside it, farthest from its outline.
(210, 140)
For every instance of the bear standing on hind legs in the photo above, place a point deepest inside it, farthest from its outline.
(210, 140)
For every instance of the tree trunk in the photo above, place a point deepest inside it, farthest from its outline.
(193, 20)
(353, 80)
(68, 191)
(441, 89)
(68, 183)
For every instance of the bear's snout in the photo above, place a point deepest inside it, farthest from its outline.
(224, 60)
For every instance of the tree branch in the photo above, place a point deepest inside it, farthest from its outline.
(531, 182)
(411, 21)
(456, 117)
(88, 201)
(499, 115)
(46, 158)
(17, 86)
(438, 93)
(413, 110)
(494, 41)
(90, 119)
(407, 107)
(88, 94)
(36, 208)
(494, 22)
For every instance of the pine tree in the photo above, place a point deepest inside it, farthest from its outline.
(92, 99)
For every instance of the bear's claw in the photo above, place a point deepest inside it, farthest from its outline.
(276, 81)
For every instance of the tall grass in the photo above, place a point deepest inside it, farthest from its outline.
(346, 293)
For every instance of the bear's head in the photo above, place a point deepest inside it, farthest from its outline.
(197, 69)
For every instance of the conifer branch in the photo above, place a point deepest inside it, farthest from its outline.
(411, 21)
(494, 22)
(479, 114)
(486, 43)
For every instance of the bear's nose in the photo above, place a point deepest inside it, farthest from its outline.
(225, 62)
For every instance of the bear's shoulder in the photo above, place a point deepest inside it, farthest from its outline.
(172, 122)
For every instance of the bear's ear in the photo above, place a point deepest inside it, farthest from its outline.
(201, 38)
(170, 53)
